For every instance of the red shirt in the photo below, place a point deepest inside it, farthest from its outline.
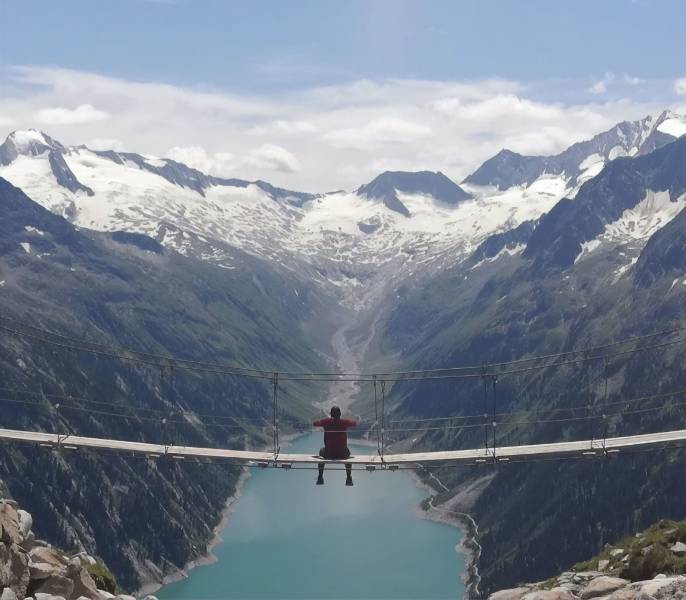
(335, 436)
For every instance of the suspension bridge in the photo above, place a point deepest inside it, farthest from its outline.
(490, 453)
(370, 462)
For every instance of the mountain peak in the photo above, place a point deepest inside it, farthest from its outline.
(31, 142)
(34, 143)
(27, 142)
(582, 160)
(431, 183)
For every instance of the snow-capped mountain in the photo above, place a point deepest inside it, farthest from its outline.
(32, 149)
(581, 161)
(398, 225)
(627, 203)
(386, 187)
(399, 219)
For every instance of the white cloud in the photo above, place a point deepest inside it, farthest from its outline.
(680, 86)
(268, 157)
(316, 139)
(84, 113)
(386, 130)
(220, 163)
(271, 157)
(500, 106)
(106, 144)
(600, 87)
(285, 126)
(610, 80)
(5, 121)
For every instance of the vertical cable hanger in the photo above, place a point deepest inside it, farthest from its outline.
(275, 422)
(485, 386)
(383, 412)
(604, 415)
(376, 419)
(494, 422)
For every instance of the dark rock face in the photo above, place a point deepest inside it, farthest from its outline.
(83, 284)
(507, 169)
(556, 242)
(494, 244)
(664, 255)
(138, 240)
(368, 227)
(392, 202)
(540, 303)
(384, 188)
(64, 175)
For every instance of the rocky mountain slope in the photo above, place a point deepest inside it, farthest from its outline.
(650, 564)
(603, 267)
(32, 568)
(127, 290)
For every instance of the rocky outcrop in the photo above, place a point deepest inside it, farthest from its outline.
(650, 565)
(31, 569)
(596, 585)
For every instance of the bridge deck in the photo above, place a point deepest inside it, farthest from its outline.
(472, 456)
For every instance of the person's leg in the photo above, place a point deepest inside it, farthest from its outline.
(348, 471)
(348, 474)
(320, 479)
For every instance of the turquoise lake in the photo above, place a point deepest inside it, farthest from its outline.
(287, 538)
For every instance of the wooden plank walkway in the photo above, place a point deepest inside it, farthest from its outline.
(473, 456)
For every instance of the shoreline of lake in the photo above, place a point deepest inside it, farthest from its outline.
(465, 548)
(207, 558)
(468, 546)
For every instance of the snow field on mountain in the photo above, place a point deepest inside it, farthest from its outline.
(637, 224)
(675, 126)
(347, 237)
(24, 138)
(33, 175)
(129, 198)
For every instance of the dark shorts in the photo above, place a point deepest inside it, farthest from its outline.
(323, 454)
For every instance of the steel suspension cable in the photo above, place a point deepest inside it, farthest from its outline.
(412, 375)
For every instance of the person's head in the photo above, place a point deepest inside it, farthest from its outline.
(335, 412)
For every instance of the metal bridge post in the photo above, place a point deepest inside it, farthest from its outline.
(275, 424)
(494, 422)
(484, 380)
(605, 434)
(377, 425)
(383, 414)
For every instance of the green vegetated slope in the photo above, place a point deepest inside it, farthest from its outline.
(535, 518)
(142, 517)
(660, 548)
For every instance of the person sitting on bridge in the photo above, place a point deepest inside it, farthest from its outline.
(335, 442)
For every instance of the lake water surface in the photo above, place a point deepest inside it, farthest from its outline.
(287, 538)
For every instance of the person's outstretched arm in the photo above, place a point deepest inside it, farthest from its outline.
(320, 422)
(348, 422)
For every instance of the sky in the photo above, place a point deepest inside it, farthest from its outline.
(321, 95)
